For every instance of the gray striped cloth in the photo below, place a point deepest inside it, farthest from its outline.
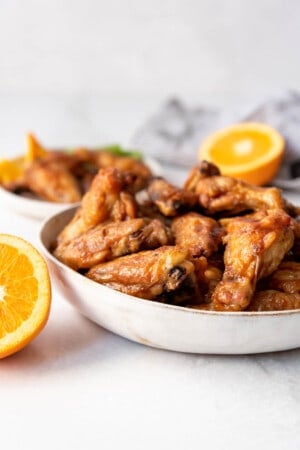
(174, 133)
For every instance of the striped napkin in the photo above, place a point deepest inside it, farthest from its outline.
(174, 133)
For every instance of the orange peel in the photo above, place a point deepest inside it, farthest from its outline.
(248, 151)
(25, 293)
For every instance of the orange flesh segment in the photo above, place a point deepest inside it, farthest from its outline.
(18, 295)
(241, 147)
(10, 170)
(34, 148)
(249, 151)
(25, 294)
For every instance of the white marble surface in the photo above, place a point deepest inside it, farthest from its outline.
(206, 48)
(78, 386)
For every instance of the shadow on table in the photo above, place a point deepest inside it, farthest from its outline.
(65, 344)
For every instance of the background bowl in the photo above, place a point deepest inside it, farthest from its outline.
(41, 209)
(28, 207)
(166, 326)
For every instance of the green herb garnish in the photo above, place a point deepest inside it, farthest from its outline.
(118, 150)
(115, 149)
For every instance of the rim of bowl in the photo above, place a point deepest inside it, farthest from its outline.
(36, 201)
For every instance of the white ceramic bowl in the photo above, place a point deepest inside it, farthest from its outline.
(166, 326)
(41, 209)
(28, 207)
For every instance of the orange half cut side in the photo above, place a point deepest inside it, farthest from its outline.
(249, 151)
(25, 294)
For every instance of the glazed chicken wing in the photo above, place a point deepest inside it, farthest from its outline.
(110, 240)
(146, 274)
(217, 193)
(68, 160)
(99, 202)
(52, 182)
(169, 199)
(204, 170)
(285, 279)
(199, 234)
(208, 275)
(272, 300)
(124, 208)
(104, 159)
(255, 247)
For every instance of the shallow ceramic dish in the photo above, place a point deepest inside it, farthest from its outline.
(41, 209)
(166, 326)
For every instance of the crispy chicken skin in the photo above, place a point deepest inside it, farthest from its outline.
(204, 170)
(65, 176)
(217, 193)
(255, 247)
(169, 199)
(52, 182)
(124, 208)
(81, 159)
(104, 159)
(208, 274)
(68, 160)
(285, 279)
(110, 240)
(99, 202)
(272, 300)
(199, 234)
(148, 209)
(146, 274)
(167, 244)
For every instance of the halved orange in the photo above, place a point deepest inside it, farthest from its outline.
(25, 293)
(34, 149)
(11, 170)
(249, 151)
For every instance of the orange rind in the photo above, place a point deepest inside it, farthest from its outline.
(25, 294)
(248, 151)
(34, 149)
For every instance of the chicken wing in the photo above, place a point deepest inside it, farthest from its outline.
(218, 193)
(52, 182)
(110, 240)
(169, 199)
(124, 208)
(199, 234)
(285, 279)
(142, 172)
(207, 275)
(69, 160)
(99, 202)
(272, 300)
(204, 170)
(255, 248)
(146, 274)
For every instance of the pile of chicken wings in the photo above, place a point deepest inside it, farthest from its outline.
(216, 243)
(64, 177)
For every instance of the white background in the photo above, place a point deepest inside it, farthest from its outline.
(91, 71)
(204, 48)
(111, 63)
